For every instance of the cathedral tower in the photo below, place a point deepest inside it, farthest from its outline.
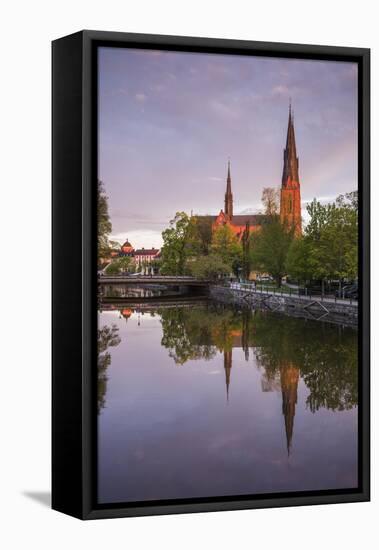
(289, 379)
(229, 195)
(290, 202)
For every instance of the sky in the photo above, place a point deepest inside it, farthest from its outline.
(169, 122)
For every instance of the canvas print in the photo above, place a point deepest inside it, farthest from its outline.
(227, 276)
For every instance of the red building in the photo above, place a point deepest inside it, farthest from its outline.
(141, 256)
(127, 248)
(290, 202)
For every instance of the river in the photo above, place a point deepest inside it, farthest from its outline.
(200, 400)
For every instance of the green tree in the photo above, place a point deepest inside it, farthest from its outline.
(208, 267)
(344, 227)
(202, 233)
(119, 265)
(114, 245)
(104, 225)
(332, 238)
(270, 248)
(246, 264)
(225, 245)
(349, 200)
(176, 246)
(298, 263)
(156, 265)
(329, 248)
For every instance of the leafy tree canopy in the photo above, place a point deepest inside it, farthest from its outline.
(104, 225)
(270, 248)
(208, 267)
(124, 263)
(225, 245)
(329, 249)
(176, 245)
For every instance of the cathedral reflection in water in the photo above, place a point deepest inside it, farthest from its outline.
(323, 356)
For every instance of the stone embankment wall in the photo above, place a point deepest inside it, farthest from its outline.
(335, 312)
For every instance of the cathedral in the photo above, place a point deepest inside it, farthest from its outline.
(290, 203)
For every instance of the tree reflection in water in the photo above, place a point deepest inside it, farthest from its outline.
(325, 355)
(322, 354)
(107, 337)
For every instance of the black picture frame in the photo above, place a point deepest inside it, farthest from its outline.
(74, 84)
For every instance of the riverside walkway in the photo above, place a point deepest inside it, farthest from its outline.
(262, 290)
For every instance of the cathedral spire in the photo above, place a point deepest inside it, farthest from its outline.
(290, 201)
(291, 161)
(229, 195)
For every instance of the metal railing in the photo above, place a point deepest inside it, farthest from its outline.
(292, 292)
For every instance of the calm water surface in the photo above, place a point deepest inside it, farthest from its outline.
(209, 401)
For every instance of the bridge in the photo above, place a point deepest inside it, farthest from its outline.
(146, 280)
